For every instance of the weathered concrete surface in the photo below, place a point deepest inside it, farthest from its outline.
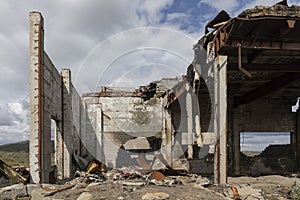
(18, 190)
(72, 123)
(50, 98)
(113, 121)
(220, 119)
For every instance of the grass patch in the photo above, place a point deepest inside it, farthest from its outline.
(20, 158)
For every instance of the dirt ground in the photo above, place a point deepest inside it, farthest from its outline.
(265, 187)
(116, 190)
(272, 186)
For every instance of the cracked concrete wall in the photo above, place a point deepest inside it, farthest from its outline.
(52, 96)
(112, 121)
(45, 102)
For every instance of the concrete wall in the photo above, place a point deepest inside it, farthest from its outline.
(45, 102)
(71, 123)
(52, 96)
(265, 115)
(112, 121)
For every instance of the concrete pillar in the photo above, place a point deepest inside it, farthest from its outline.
(58, 145)
(67, 123)
(220, 119)
(298, 139)
(169, 135)
(190, 119)
(36, 98)
(99, 135)
(236, 143)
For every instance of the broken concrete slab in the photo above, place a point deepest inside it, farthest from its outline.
(12, 191)
(155, 196)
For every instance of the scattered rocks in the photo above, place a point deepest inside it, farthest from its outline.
(85, 196)
(155, 196)
(91, 185)
(126, 183)
(247, 192)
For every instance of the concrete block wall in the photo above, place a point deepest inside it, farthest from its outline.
(52, 96)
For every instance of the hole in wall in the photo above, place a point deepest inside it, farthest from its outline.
(258, 141)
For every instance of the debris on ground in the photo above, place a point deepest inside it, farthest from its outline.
(137, 183)
(155, 196)
(16, 174)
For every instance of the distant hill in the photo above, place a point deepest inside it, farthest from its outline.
(16, 153)
(19, 146)
(16, 147)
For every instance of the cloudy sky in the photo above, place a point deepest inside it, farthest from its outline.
(258, 141)
(107, 42)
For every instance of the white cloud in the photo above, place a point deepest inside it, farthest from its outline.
(227, 5)
(14, 121)
(4, 117)
(72, 29)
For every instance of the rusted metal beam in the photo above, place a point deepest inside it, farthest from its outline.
(239, 46)
(259, 44)
(266, 89)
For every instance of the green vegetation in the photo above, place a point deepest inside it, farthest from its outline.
(295, 193)
(17, 154)
(20, 158)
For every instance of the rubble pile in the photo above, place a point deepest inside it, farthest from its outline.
(130, 179)
(280, 10)
(133, 182)
(275, 159)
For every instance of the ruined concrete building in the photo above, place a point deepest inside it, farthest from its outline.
(244, 78)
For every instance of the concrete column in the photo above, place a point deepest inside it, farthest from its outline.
(298, 139)
(46, 148)
(99, 135)
(220, 119)
(236, 143)
(58, 145)
(169, 136)
(36, 96)
(67, 123)
(190, 119)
